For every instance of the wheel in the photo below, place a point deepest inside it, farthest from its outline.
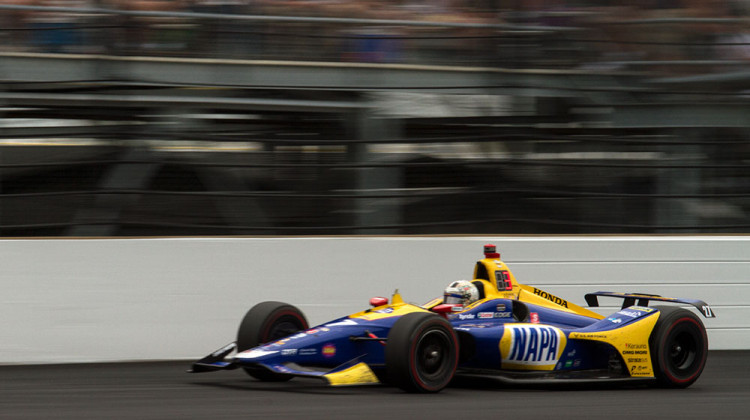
(264, 323)
(422, 353)
(679, 347)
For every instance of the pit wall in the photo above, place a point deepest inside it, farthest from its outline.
(89, 300)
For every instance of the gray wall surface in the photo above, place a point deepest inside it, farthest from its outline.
(178, 298)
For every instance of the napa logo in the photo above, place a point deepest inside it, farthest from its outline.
(531, 347)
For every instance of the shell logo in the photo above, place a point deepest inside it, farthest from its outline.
(329, 350)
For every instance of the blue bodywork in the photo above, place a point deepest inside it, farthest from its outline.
(349, 340)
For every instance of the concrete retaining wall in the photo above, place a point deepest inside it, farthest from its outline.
(134, 299)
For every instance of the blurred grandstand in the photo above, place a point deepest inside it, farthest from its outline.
(331, 117)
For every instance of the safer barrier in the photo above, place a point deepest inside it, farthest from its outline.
(177, 298)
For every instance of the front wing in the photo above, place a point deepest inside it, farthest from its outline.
(352, 372)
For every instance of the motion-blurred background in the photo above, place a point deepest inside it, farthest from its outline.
(336, 117)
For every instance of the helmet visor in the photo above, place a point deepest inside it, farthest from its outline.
(454, 298)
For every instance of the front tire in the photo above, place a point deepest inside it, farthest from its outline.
(264, 323)
(422, 353)
(679, 346)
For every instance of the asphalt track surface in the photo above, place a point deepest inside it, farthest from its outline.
(162, 390)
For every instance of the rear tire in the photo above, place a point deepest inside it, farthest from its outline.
(679, 346)
(422, 353)
(264, 323)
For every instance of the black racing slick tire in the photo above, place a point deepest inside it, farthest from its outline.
(679, 346)
(264, 323)
(422, 353)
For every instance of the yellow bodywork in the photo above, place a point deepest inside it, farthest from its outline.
(397, 307)
(359, 374)
(488, 270)
(631, 341)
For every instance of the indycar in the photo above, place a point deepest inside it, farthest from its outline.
(512, 331)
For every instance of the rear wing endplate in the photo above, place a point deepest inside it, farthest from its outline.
(642, 299)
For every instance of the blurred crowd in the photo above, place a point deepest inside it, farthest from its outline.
(617, 34)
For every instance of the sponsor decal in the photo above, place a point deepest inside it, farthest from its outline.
(534, 318)
(250, 354)
(342, 323)
(281, 368)
(639, 370)
(466, 316)
(632, 314)
(311, 332)
(637, 360)
(635, 346)
(503, 314)
(577, 363)
(384, 311)
(642, 309)
(551, 298)
(486, 315)
(614, 320)
(324, 329)
(458, 308)
(532, 346)
(569, 363)
(467, 327)
(572, 353)
(284, 341)
(289, 352)
(588, 335)
(501, 307)
(308, 352)
(635, 352)
(329, 350)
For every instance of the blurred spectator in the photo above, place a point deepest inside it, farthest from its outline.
(734, 43)
(13, 25)
(59, 31)
(610, 40)
(150, 34)
(224, 37)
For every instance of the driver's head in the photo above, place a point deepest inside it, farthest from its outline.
(460, 292)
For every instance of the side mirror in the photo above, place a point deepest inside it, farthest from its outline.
(446, 308)
(378, 301)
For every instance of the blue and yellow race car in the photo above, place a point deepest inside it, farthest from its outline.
(491, 326)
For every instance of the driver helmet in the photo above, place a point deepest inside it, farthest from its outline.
(460, 292)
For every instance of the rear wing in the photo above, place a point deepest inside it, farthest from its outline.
(630, 299)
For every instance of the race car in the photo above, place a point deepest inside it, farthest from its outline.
(491, 325)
